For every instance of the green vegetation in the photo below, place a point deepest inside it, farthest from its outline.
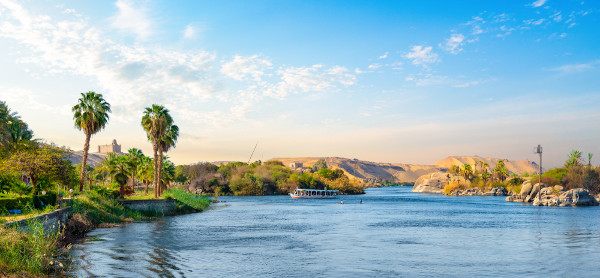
(574, 174)
(187, 201)
(33, 252)
(255, 179)
(28, 168)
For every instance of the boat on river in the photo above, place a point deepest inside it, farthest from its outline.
(314, 194)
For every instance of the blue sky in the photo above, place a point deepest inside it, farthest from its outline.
(409, 82)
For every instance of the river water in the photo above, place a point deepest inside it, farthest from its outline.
(394, 232)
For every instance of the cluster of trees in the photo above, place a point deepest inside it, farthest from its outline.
(46, 167)
(258, 178)
(482, 171)
(23, 159)
(132, 168)
(575, 173)
(91, 114)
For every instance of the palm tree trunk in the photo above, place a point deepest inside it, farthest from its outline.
(160, 154)
(86, 148)
(155, 148)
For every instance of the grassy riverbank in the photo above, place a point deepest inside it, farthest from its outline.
(37, 254)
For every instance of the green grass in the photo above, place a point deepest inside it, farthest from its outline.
(32, 252)
(101, 209)
(185, 199)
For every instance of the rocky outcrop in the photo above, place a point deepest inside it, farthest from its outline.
(577, 197)
(435, 182)
(497, 191)
(543, 195)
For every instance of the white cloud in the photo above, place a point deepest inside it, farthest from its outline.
(383, 56)
(538, 3)
(575, 68)
(309, 79)
(467, 84)
(132, 19)
(241, 68)
(422, 55)
(189, 32)
(426, 79)
(184, 81)
(534, 22)
(454, 43)
(374, 66)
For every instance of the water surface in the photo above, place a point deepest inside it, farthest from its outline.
(393, 233)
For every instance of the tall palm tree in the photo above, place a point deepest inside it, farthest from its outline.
(134, 158)
(155, 122)
(167, 141)
(91, 116)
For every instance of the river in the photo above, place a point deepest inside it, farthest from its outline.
(393, 233)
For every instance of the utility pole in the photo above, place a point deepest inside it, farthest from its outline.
(538, 150)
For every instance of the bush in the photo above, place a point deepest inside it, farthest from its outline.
(9, 182)
(19, 202)
(453, 186)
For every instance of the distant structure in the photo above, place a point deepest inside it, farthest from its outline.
(296, 165)
(112, 148)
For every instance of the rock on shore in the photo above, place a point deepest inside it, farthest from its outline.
(544, 195)
(433, 183)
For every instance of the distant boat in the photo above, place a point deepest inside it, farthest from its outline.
(314, 194)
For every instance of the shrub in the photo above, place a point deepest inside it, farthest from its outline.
(19, 202)
(453, 186)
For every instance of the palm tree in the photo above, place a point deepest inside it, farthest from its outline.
(501, 171)
(167, 141)
(156, 121)
(467, 171)
(574, 159)
(134, 158)
(117, 167)
(13, 131)
(91, 116)
(590, 155)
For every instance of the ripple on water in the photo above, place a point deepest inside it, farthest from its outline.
(394, 233)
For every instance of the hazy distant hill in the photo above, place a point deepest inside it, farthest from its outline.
(94, 159)
(406, 172)
(514, 166)
(369, 170)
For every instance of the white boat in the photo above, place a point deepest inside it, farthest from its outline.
(314, 194)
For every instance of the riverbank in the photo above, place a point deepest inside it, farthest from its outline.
(32, 251)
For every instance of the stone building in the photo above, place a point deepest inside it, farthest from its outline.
(296, 165)
(112, 148)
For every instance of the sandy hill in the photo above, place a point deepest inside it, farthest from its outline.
(94, 159)
(406, 172)
(369, 170)
(514, 166)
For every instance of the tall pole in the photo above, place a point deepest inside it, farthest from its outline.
(538, 150)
